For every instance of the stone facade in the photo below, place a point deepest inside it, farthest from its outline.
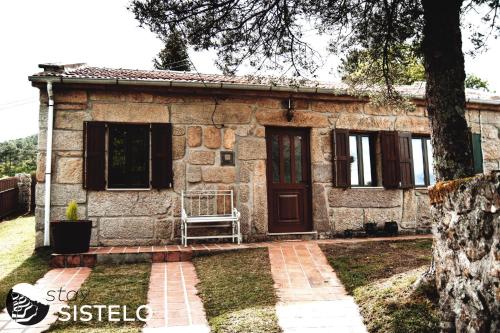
(152, 217)
(466, 254)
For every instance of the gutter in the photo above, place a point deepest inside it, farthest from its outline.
(217, 85)
(48, 165)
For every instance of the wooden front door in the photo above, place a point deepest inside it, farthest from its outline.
(288, 179)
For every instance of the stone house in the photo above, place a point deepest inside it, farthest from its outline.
(302, 160)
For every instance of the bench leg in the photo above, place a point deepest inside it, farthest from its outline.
(239, 231)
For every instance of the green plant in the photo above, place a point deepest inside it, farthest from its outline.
(72, 211)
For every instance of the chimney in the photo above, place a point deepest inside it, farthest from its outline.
(59, 68)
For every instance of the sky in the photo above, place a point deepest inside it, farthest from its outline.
(105, 33)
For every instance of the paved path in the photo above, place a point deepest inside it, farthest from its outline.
(311, 298)
(65, 278)
(173, 297)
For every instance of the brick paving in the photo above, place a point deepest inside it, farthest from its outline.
(173, 298)
(65, 278)
(311, 298)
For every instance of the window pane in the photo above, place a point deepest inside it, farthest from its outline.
(354, 160)
(367, 166)
(432, 177)
(275, 149)
(286, 159)
(298, 158)
(128, 156)
(418, 161)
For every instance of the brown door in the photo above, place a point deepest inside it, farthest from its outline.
(288, 179)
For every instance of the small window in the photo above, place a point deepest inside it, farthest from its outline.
(128, 156)
(362, 161)
(422, 162)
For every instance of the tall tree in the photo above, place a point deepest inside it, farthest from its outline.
(174, 55)
(271, 33)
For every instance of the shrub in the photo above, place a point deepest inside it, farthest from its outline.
(72, 211)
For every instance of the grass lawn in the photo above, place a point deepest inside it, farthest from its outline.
(380, 275)
(237, 291)
(18, 261)
(112, 285)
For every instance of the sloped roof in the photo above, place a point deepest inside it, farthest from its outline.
(88, 74)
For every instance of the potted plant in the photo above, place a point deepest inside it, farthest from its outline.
(71, 235)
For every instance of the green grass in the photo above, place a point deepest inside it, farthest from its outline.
(112, 285)
(380, 275)
(18, 261)
(237, 291)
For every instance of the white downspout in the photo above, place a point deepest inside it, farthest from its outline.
(48, 166)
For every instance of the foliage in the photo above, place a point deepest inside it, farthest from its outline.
(360, 67)
(273, 33)
(18, 262)
(174, 55)
(474, 82)
(18, 156)
(237, 291)
(72, 211)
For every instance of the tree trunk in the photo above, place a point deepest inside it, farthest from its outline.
(445, 92)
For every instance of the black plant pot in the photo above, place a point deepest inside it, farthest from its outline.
(70, 236)
(370, 229)
(391, 228)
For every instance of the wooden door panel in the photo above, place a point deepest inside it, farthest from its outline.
(288, 179)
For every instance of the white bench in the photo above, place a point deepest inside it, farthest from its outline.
(209, 209)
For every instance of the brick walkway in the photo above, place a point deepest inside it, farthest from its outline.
(311, 298)
(173, 297)
(67, 278)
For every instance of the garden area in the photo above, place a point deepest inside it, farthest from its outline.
(380, 276)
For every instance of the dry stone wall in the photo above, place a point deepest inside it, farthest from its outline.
(466, 253)
(152, 217)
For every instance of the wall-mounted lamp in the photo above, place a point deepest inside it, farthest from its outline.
(290, 108)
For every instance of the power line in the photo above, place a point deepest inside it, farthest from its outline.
(10, 107)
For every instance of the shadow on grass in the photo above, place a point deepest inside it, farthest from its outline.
(31, 269)
(237, 291)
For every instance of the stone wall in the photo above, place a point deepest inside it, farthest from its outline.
(24, 185)
(466, 253)
(152, 217)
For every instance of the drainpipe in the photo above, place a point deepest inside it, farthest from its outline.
(48, 166)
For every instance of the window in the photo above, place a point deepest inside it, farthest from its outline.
(134, 155)
(362, 167)
(422, 162)
(128, 156)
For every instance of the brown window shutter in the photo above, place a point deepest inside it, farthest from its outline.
(405, 160)
(389, 142)
(94, 133)
(161, 156)
(342, 158)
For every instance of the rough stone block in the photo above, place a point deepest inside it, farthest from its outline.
(212, 137)
(68, 170)
(365, 198)
(252, 149)
(322, 172)
(66, 140)
(229, 138)
(215, 174)
(200, 157)
(320, 208)
(382, 215)
(347, 218)
(300, 118)
(72, 120)
(194, 136)
(202, 114)
(412, 124)
(193, 174)
(129, 203)
(70, 96)
(178, 147)
(179, 130)
(126, 227)
(130, 112)
(61, 194)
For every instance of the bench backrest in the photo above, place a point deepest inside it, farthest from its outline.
(207, 202)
